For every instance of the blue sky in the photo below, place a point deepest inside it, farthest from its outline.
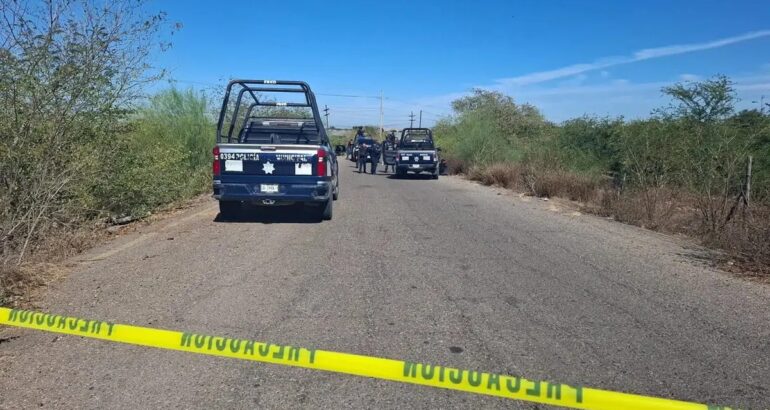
(567, 57)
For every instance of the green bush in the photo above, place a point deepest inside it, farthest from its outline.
(490, 128)
(164, 157)
(68, 81)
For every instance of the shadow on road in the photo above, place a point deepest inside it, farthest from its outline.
(270, 215)
(412, 177)
(369, 173)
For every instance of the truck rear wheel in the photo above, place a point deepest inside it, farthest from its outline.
(326, 210)
(229, 208)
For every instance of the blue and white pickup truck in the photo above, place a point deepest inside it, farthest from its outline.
(273, 152)
(417, 153)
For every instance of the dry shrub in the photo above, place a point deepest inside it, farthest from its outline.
(15, 282)
(747, 239)
(456, 166)
(538, 182)
(503, 174)
(653, 208)
(560, 183)
(476, 173)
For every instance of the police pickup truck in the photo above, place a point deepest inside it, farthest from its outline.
(417, 153)
(272, 149)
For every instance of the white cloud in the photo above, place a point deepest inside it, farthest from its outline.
(641, 55)
(689, 77)
(568, 71)
(575, 80)
(658, 52)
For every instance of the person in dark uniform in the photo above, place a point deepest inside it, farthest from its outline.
(375, 151)
(363, 150)
(354, 154)
(389, 152)
(359, 134)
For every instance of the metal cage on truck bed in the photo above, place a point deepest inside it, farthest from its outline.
(239, 125)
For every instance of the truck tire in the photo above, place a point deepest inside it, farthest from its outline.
(326, 210)
(229, 209)
(336, 189)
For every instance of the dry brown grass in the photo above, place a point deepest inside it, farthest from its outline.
(503, 175)
(538, 182)
(746, 241)
(42, 264)
(658, 209)
(455, 166)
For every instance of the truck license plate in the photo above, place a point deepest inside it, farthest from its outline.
(233, 165)
(415, 165)
(268, 188)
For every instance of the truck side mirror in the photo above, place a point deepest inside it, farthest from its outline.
(438, 149)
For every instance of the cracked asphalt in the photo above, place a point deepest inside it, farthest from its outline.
(445, 272)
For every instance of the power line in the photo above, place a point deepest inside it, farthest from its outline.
(349, 95)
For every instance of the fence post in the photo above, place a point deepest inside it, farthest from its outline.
(748, 182)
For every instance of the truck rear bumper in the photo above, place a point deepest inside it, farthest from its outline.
(417, 167)
(319, 191)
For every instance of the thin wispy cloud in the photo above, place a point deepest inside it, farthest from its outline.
(688, 48)
(641, 55)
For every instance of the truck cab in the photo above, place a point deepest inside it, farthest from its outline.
(417, 153)
(272, 149)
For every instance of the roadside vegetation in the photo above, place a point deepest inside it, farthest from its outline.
(685, 169)
(81, 145)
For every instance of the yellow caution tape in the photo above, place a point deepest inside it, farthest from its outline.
(471, 381)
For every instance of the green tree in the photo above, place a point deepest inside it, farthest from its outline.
(715, 151)
(703, 101)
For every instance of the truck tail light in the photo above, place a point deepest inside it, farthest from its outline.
(321, 166)
(216, 167)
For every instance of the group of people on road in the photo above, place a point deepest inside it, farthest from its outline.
(365, 150)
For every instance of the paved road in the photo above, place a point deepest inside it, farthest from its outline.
(444, 272)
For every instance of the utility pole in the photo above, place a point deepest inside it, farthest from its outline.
(420, 126)
(381, 124)
(411, 119)
(326, 114)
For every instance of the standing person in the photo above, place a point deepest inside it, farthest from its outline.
(389, 152)
(375, 151)
(363, 150)
(359, 134)
(349, 149)
(355, 153)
